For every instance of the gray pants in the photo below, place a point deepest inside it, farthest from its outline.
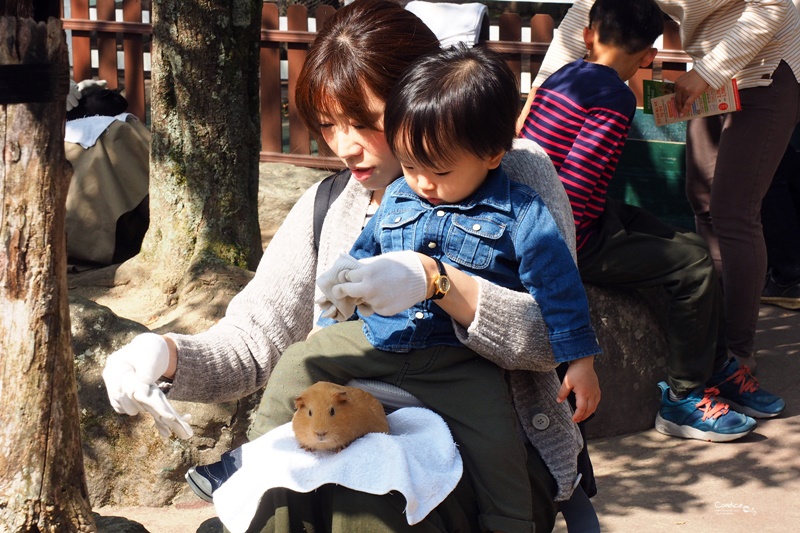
(469, 392)
(731, 160)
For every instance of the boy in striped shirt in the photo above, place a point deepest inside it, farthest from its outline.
(581, 116)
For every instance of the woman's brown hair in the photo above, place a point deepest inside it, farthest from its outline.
(363, 48)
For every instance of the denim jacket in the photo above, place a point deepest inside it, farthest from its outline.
(503, 233)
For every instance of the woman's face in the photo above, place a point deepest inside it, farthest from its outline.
(363, 148)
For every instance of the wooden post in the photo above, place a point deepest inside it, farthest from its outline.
(270, 65)
(299, 137)
(42, 480)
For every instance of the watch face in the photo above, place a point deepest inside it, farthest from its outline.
(443, 284)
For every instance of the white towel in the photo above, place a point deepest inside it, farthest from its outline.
(451, 23)
(85, 131)
(418, 459)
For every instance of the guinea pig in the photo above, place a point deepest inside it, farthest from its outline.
(329, 416)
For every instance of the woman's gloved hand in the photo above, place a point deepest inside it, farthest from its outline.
(130, 376)
(385, 284)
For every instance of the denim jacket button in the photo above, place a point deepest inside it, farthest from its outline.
(397, 219)
(431, 245)
(439, 213)
(476, 227)
(420, 315)
(541, 421)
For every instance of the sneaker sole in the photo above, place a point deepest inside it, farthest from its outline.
(749, 411)
(196, 488)
(786, 303)
(687, 432)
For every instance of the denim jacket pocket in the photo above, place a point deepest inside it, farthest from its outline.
(397, 230)
(473, 241)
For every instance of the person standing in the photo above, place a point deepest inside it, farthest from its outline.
(731, 158)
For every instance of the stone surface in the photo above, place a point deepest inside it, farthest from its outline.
(630, 329)
(127, 462)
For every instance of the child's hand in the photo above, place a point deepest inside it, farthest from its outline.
(581, 379)
(339, 309)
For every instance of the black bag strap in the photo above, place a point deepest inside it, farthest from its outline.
(328, 191)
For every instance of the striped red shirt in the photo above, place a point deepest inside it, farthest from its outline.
(581, 116)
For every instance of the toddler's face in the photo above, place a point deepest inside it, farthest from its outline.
(451, 183)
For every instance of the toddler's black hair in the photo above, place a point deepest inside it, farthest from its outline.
(632, 25)
(456, 99)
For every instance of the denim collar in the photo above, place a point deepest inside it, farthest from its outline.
(494, 192)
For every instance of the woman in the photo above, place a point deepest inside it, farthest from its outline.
(371, 42)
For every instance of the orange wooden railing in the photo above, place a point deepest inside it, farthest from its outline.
(107, 36)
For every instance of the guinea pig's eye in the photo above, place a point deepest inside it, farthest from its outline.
(333, 411)
(309, 412)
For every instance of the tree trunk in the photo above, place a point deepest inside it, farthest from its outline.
(42, 480)
(206, 139)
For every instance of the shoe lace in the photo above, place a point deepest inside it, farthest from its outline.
(710, 404)
(744, 379)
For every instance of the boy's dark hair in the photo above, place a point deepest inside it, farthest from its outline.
(454, 100)
(632, 25)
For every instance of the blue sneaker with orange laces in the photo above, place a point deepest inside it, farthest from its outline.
(702, 416)
(741, 390)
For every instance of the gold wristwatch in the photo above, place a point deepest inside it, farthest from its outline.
(441, 283)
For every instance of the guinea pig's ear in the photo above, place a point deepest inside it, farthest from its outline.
(299, 402)
(340, 397)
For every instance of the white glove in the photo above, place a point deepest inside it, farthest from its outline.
(88, 83)
(386, 284)
(339, 309)
(73, 96)
(130, 375)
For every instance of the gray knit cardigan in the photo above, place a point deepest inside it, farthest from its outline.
(276, 309)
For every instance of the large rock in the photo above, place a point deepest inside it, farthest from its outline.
(127, 462)
(630, 329)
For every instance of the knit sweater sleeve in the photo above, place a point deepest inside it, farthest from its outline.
(235, 357)
(508, 328)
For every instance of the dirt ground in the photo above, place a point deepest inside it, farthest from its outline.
(188, 517)
(280, 186)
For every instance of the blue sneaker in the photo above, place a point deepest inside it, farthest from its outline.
(702, 416)
(205, 479)
(741, 390)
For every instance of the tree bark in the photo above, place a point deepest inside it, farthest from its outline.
(206, 139)
(42, 480)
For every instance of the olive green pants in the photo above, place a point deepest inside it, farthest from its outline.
(469, 392)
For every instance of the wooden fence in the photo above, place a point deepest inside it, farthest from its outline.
(122, 31)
